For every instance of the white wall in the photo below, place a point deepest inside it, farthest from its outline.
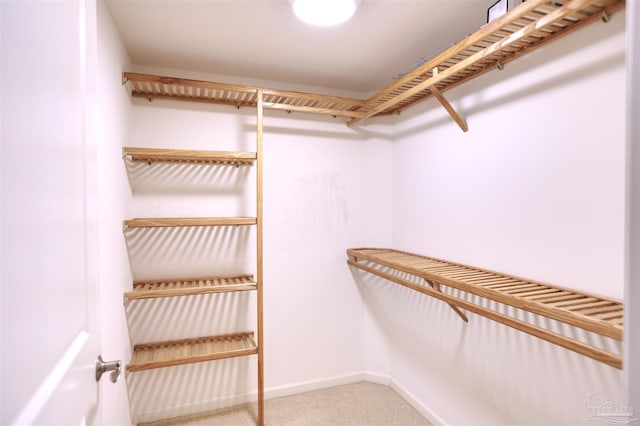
(323, 183)
(536, 189)
(115, 204)
(632, 287)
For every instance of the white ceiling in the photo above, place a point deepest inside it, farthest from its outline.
(262, 39)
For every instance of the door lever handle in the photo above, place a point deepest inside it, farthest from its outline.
(103, 367)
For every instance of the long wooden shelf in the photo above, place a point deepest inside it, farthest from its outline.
(530, 25)
(153, 86)
(189, 156)
(189, 287)
(594, 313)
(171, 222)
(148, 356)
(527, 27)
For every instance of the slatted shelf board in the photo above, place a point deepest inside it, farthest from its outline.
(151, 86)
(171, 222)
(189, 287)
(530, 25)
(148, 356)
(150, 155)
(597, 314)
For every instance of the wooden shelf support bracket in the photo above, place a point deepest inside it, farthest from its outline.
(436, 286)
(443, 101)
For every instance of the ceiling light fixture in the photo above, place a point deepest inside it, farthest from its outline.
(324, 13)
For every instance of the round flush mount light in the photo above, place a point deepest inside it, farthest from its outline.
(324, 13)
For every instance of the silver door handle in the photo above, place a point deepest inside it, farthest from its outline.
(103, 367)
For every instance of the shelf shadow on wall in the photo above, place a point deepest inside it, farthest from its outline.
(189, 252)
(479, 104)
(484, 358)
(184, 178)
(171, 113)
(173, 318)
(192, 388)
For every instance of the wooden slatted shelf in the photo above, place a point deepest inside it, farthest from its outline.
(152, 86)
(148, 356)
(190, 156)
(189, 287)
(594, 313)
(170, 222)
(527, 27)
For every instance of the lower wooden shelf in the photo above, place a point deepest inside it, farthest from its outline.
(147, 356)
(594, 313)
(189, 287)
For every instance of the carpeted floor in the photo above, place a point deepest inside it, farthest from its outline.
(361, 403)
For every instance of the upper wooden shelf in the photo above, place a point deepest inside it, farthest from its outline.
(525, 28)
(594, 313)
(153, 86)
(171, 222)
(189, 156)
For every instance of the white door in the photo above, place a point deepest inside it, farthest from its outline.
(49, 232)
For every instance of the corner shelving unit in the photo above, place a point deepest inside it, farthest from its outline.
(153, 355)
(527, 27)
(530, 25)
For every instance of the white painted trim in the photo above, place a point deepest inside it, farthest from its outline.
(190, 409)
(294, 389)
(48, 386)
(270, 393)
(377, 378)
(418, 405)
(313, 385)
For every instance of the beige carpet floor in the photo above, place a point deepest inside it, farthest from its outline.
(360, 403)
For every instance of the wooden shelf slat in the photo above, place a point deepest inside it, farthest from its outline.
(148, 356)
(189, 287)
(598, 314)
(189, 156)
(171, 222)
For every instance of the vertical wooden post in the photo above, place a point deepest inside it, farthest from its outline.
(259, 169)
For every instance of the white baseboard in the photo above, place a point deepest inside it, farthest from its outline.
(292, 389)
(189, 409)
(296, 388)
(269, 393)
(426, 412)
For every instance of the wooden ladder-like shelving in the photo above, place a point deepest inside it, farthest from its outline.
(178, 352)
